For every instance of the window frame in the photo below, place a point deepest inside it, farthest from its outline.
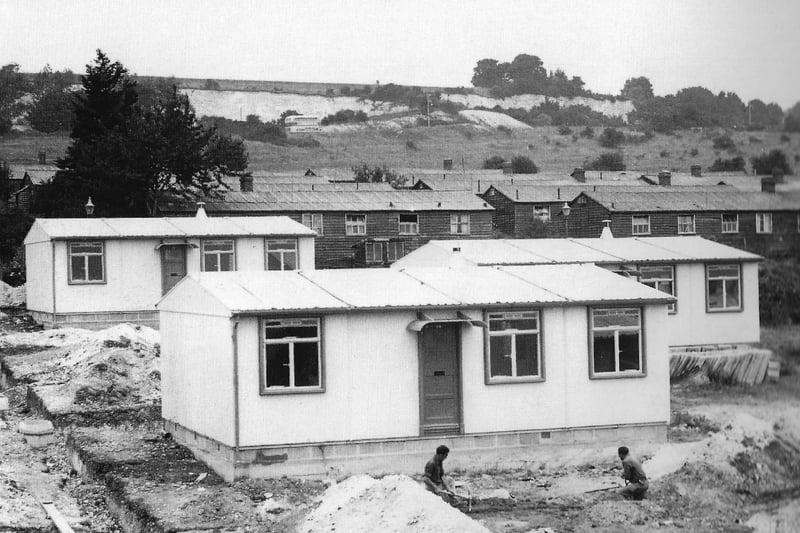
(634, 225)
(267, 251)
(203, 252)
(394, 245)
(265, 390)
(311, 226)
(724, 309)
(684, 231)
(617, 374)
(102, 254)
(542, 207)
(722, 222)
(457, 222)
(373, 245)
(349, 226)
(673, 307)
(400, 224)
(762, 217)
(487, 360)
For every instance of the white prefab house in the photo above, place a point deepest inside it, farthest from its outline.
(344, 371)
(92, 272)
(716, 285)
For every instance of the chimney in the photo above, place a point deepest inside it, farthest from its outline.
(507, 167)
(42, 157)
(448, 164)
(579, 174)
(606, 233)
(201, 210)
(696, 171)
(768, 185)
(246, 184)
(777, 175)
(665, 178)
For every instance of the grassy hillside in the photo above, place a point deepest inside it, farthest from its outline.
(465, 144)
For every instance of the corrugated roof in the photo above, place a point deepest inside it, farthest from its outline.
(67, 228)
(717, 198)
(681, 249)
(352, 200)
(356, 289)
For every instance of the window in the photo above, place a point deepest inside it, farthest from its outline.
(218, 256)
(685, 224)
(616, 348)
(660, 277)
(292, 359)
(724, 287)
(373, 252)
(730, 223)
(514, 347)
(542, 212)
(281, 254)
(459, 224)
(86, 262)
(383, 251)
(409, 224)
(355, 224)
(640, 224)
(763, 222)
(394, 251)
(313, 221)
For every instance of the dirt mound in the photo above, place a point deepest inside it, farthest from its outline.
(493, 120)
(11, 296)
(392, 504)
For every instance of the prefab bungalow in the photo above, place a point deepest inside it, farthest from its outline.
(350, 370)
(716, 286)
(92, 272)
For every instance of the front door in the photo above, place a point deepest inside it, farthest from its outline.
(441, 395)
(173, 266)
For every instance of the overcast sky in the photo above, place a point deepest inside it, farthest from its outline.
(750, 47)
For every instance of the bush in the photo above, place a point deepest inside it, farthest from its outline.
(504, 129)
(611, 138)
(523, 165)
(364, 173)
(494, 162)
(587, 132)
(411, 146)
(664, 153)
(755, 140)
(344, 116)
(606, 161)
(767, 163)
(693, 152)
(252, 129)
(564, 130)
(736, 164)
(779, 292)
(724, 142)
(785, 138)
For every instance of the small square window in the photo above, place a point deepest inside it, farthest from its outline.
(660, 277)
(640, 224)
(459, 224)
(541, 212)
(686, 224)
(218, 256)
(373, 252)
(355, 224)
(723, 287)
(86, 262)
(763, 222)
(514, 352)
(616, 345)
(409, 224)
(313, 221)
(730, 223)
(281, 254)
(291, 356)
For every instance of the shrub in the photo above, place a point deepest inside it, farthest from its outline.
(774, 160)
(611, 138)
(693, 152)
(410, 145)
(755, 140)
(587, 132)
(785, 138)
(523, 165)
(364, 173)
(723, 142)
(504, 129)
(564, 130)
(607, 161)
(344, 116)
(779, 292)
(494, 162)
(664, 153)
(736, 164)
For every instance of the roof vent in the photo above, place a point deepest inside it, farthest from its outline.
(456, 248)
(696, 171)
(201, 210)
(665, 178)
(606, 233)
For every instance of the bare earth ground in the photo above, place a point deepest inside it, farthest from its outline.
(732, 463)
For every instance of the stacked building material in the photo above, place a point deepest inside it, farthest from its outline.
(740, 366)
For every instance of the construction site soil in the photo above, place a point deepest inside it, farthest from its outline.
(731, 463)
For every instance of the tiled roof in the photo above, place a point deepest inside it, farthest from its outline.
(717, 198)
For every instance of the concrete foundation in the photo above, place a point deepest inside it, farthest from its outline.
(518, 449)
(95, 321)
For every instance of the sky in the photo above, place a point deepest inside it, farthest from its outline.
(750, 47)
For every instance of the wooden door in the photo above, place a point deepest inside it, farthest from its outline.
(173, 266)
(441, 380)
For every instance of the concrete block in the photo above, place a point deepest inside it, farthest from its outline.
(529, 439)
(37, 432)
(3, 403)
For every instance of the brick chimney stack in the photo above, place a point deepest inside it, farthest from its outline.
(768, 185)
(246, 184)
(42, 157)
(777, 175)
(665, 178)
(447, 164)
(507, 168)
(696, 171)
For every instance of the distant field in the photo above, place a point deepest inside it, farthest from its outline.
(467, 145)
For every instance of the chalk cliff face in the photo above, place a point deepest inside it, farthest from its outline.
(620, 108)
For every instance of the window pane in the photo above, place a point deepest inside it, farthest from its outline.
(604, 351)
(656, 272)
(275, 245)
(290, 331)
(628, 351)
(218, 246)
(715, 294)
(715, 271)
(277, 365)
(86, 247)
(731, 293)
(527, 355)
(210, 263)
(226, 262)
(95, 267)
(519, 321)
(500, 355)
(78, 268)
(306, 364)
(290, 261)
(274, 261)
(615, 317)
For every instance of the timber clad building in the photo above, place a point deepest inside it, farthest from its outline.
(357, 228)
